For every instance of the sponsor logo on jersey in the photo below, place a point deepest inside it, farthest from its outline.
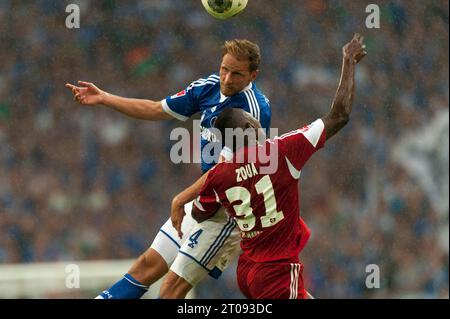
(181, 93)
(207, 134)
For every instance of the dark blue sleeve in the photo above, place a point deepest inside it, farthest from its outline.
(184, 104)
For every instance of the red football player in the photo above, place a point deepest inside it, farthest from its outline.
(265, 206)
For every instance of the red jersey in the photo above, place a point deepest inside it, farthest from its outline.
(265, 206)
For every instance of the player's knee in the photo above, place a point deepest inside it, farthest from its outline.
(174, 287)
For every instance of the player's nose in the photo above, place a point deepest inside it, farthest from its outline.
(227, 79)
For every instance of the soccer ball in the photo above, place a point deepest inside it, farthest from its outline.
(224, 9)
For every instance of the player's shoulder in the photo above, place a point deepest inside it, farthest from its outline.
(255, 95)
(262, 100)
(211, 79)
(206, 82)
(254, 101)
(222, 172)
(311, 133)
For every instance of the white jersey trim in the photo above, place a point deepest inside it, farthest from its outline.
(250, 104)
(295, 271)
(314, 132)
(295, 173)
(227, 153)
(256, 104)
(176, 115)
(202, 82)
(198, 205)
(311, 132)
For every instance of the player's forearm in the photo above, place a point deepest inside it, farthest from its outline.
(343, 101)
(136, 108)
(341, 108)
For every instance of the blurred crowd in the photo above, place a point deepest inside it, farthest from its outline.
(87, 183)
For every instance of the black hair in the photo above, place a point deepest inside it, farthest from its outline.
(235, 118)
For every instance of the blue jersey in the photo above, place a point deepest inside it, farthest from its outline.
(204, 96)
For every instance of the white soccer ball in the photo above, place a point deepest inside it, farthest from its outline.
(224, 9)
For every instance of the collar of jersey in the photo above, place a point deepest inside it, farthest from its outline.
(223, 97)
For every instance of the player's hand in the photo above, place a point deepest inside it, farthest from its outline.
(87, 93)
(177, 215)
(355, 50)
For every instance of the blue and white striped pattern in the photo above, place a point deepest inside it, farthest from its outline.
(218, 242)
(134, 282)
(212, 79)
(253, 104)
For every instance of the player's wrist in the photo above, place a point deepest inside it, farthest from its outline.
(349, 60)
(104, 98)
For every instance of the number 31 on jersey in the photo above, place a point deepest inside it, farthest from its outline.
(264, 187)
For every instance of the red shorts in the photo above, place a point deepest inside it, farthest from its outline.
(271, 280)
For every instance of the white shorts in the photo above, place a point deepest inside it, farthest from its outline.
(206, 248)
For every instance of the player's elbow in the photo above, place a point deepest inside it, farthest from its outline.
(153, 111)
(334, 123)
(343, 119)
(176, 201)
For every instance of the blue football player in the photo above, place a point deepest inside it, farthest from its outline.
(204, 248)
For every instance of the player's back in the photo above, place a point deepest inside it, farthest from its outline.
(266, 206)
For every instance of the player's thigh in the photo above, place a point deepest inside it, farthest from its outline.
(243, 272)
(189, 269)
(213, 243)
(167, 242)
(277, 281)
(208, 249)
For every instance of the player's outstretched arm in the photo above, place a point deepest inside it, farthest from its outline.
(341, 108)
(89, 94)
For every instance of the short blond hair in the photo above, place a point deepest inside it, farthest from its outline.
(243, 49)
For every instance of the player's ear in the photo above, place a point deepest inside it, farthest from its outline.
(254, 74)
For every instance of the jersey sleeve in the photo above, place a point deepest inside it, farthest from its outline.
(184, 104)
(299, 145)
(207, 202)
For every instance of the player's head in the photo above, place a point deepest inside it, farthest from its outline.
(235, 118)
(240, 65)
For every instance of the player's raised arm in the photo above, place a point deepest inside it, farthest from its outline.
(341, 108)
(89, 94)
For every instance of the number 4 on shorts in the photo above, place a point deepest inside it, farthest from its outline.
(194, 238)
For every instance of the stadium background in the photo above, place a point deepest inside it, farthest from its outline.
(81, 184)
